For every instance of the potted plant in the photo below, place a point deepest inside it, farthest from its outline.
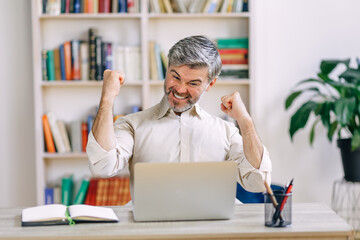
(335, 103)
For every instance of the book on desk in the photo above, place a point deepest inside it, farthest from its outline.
(58, 214)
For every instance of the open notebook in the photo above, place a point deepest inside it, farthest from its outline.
(58, 214)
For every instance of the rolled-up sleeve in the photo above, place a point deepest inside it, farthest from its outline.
(249, 177)
(104, 163)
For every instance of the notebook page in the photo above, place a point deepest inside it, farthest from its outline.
(85, 211)
(44, 213)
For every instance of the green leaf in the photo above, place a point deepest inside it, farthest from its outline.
(351, 75)
(312, 132)
(325, 113)
(331, 130)
(344, 110)
(355, 142)
(294, 95)
(310, 80)
(301, 116)
(326, 66)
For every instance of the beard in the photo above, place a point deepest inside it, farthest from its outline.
(180, 107)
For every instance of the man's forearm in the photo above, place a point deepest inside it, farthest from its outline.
(103, 129)
(253, 147)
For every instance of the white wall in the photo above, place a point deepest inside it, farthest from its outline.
(17, 160)
(291, 39)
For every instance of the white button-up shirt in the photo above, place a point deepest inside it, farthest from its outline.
(159, 135)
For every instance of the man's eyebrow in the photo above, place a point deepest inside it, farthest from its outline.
(172, 70)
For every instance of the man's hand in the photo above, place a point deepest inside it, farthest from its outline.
(113, 80)
(234, 107)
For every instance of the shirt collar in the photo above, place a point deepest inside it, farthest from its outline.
(165, 108)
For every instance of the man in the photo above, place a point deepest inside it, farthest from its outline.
(177, 129)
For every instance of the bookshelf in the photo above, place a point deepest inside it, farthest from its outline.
(75, 100)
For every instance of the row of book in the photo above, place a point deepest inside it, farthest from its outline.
(87, 60)
(55, 7)
(234, 57)
(56, 136)
(158, 61)
(93, 191)
(198, 6)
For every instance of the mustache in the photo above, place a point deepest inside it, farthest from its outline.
(171, 89)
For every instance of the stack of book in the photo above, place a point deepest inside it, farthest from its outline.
(55, 7)
(234, 57)
(198, 6)
(93, 191)
(56, 136)
(158, 62)
(87, 60)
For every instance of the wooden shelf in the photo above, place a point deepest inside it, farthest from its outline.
(64, 156)
(91, 16)
(199, 15)
(83, 83)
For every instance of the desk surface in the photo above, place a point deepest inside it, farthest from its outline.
(309, 220)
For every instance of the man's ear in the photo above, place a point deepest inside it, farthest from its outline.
(211, 84)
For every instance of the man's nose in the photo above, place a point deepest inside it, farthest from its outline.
(181, 88)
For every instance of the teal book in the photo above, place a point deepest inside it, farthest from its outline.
(233, 43)
(66, 189)
(80, 197)
(50, 65)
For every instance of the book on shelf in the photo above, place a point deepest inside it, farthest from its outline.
(49, 141)
(57, 64)
(158, 62)
(75, 136)
(59, 142)
(67, 186)
(50, 65)
(52, 195)
(84, 59)
(67, 60)
(64, 135)
(56, 7)
(58, 214)
(80, 196)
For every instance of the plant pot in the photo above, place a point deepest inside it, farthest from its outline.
(350, 160)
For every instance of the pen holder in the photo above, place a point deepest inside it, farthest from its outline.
(274, 217)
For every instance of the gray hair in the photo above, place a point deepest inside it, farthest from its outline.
(196, 52)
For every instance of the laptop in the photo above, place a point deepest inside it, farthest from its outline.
(184, 191)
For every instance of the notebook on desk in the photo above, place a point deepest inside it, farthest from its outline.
(184, 191)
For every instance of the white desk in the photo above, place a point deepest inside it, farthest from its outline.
(309, 221)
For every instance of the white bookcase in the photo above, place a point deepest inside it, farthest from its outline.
(75, 100)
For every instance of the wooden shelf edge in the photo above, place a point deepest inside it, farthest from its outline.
(199, 15)
(64, 155)
(91, 16)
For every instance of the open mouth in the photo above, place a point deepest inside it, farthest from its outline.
(179, 97)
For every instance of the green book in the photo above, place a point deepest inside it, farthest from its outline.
(50, 65)
(233, 43)
(66, 190)
(80, 197)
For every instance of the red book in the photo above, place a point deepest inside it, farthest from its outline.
(49, 141)
(234, 51)
(107, 6)
(67, 57)
(101, 6)
(67, 6)
(84, 135)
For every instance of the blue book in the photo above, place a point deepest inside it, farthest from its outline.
(158, 62)
(122, 6)
(49, 195)
(62, 62)
(76, 6)
(90, 122)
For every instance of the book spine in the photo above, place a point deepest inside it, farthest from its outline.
(234, 61)
(92, 53)
(44, 65)
(109, 56)
(84, 135)
(72, 10)
(77, 6)
(76, 136)
(64, 135)
(60, 146)
(67, 57)
(158, 62)
(66, 190)
(233, 51)
(50, 65)
(75, 48)
(57, 64)
(153, 68)
(49, 142)
(98, 74)
(80, 197)
(84, 58)
(67, 6)
(49, 195)
(62, 62)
